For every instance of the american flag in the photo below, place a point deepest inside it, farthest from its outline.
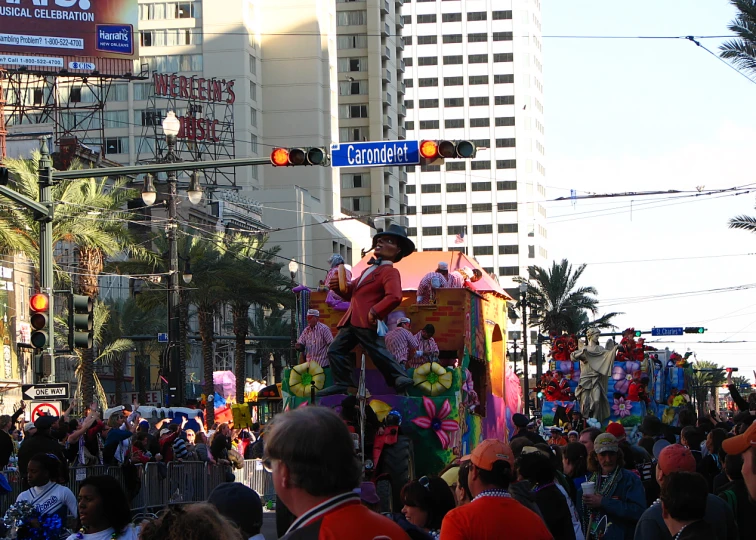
(460, 238)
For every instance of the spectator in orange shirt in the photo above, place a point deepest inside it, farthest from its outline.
(493, 513)
(556, 437)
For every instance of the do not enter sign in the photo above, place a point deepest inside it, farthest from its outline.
(41, 408)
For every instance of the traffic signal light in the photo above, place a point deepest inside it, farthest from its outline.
(39, 305)
(694, 330)
(638, 333)
(4, 176)
(431, 150)
(292, 157)
(80, 321)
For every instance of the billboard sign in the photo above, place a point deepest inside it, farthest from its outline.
(68, 28)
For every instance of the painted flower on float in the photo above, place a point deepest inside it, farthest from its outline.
(632, 366)
(622, 408)
(437, 421)
(303, 376)
(564, 366)
(622, 379)
(432, 378)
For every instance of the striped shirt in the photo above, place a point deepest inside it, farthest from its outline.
(51, 499)
(429, 348)
(316, 341)
(455, 280)
(402, 344)
(427, 285)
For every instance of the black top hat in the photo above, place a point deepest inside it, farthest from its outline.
(405, 244)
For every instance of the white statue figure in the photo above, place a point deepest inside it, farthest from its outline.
(596, 363)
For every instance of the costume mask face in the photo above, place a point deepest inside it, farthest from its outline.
(386, 247)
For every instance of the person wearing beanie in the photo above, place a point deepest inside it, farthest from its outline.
(651, 526)
(241, 505)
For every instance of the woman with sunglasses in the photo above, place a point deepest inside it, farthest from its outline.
(104, 512)
(426, 502)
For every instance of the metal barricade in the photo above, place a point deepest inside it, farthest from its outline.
(254, 475)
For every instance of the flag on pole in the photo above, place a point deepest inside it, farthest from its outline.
(460, 238)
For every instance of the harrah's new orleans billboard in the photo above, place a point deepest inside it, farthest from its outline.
(59, 31)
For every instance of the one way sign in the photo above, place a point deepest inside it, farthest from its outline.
(45, 391)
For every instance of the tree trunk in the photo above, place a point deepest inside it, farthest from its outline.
(183, 347)
(118, 379)
(91, 263)
(241, 329)
(205, 315)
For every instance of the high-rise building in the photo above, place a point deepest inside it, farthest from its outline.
(474, 72)
(371, 89)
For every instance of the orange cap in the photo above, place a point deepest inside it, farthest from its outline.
(489, 452)
(741, 443)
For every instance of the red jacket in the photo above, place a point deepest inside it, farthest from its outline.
(381, 290)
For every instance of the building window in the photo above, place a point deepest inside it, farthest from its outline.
(505, 121)
(407, 40)
(482, 207)
(481, 186)
(351, 41)
(482, 250)
(353, 134)
(430, 188)
(432, 231)
(426, 82)
(454, 102)
(355, 181)
(508, 228)
(506, 185)
(360, 204)
(501, 15)
(352, 64)
(427, 40)
(409, 83)
(425, 19)
(428, 124)
(430, 168)
(455, 166)
(454, 81)
(253, 117)
(512, 249)
(453, 59)
(407, 19)
(504, 100)
(477, 38)
(116, 119)
(480, 165)
(456, 187)
(503, 36)
(507, 207)
(476, 16)
(503, 57)
(481, 143)
(504, 79)
(451, 17)
(427, 61)
(479, 122)
(432, 209)
(456, 208)
(456, 229)
(409, 103)
(506, 163)
(253, 143)
(428, 104)
(452, 38)
(482, 229)
(117, 145)
(477, 59)
(478, 79)
(353, 111)
(410, 189)
(409, 125)
(509, 270)
(252, 91)
(351, 18)
(478, 101)
(353, 88)
(454, 122)
(411, 210)
(408, 62)
(531, 252)
(505, 143)
(411, 231)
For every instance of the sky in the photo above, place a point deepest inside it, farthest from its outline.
(628, 115)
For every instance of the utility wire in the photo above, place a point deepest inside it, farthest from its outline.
(694, 39)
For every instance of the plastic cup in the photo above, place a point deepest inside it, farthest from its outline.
(589, 488)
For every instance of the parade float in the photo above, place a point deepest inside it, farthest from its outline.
(643, 380)
(467, 394)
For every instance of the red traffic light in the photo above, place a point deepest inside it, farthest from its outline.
(429, 149)
(280, 157)
(39, 302)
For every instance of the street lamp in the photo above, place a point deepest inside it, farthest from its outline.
(524, 306)
(187, 274)
(293, 268)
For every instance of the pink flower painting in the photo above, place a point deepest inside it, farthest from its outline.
(621, 407)
(437, 421)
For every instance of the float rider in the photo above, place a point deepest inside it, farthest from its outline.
(373, 295)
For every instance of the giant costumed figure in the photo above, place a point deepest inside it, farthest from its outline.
(596, 366)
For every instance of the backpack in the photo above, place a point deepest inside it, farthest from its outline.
(731, 499)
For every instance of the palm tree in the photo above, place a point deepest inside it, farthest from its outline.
(559, 305)
(706, 376)
(742, 50)
(743, 384)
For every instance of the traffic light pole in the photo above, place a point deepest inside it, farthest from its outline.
(46, 276)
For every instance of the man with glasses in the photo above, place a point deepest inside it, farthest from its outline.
(310, 455)
(493, 513)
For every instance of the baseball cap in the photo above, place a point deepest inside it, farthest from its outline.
(403, 320)
(520, 420)
(443, 265)
(29, 426)
(741, 443)
(313, 313)
(616, 429)
(367, 493)
(451, 476)
(45, 422)
(556, 428)
(238, 503)
(606, 442)
(676, 458)
(489, 452)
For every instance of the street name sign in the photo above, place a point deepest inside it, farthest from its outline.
(162, 337)
(666, 331)
(375, 153)
(45, 391)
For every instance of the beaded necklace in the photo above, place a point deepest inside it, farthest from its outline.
(603, 488)
(680, 531)
(538, 488)
(83, 531)
(493, 493)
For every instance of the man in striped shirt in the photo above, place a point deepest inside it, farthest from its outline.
(315, 339)
(426, 345)
(426, 289)
(401, 342)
